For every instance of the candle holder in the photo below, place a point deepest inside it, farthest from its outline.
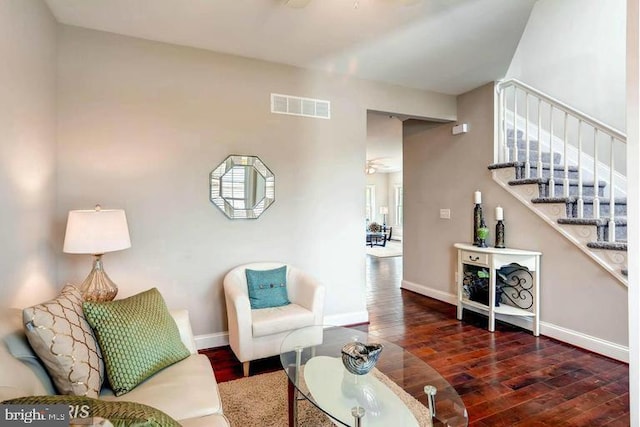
(483, 233)
(500, 234)
(477, 220)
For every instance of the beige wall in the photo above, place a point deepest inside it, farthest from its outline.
(27, 151)
(141, 125)
(442, 171)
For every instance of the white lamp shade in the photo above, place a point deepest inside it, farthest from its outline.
(384, 210)
(96, 231)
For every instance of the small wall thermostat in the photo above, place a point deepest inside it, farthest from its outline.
(462, 128)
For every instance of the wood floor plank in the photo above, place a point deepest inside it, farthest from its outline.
(506, 378)
(601, 414)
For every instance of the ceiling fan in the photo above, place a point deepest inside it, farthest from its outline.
(377, 165)
(302, 3)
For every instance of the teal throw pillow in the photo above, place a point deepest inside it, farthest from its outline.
(137, 336)
(267, 288)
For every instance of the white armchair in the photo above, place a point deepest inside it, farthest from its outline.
(255, 334)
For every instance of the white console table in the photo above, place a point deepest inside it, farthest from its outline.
(521, 295)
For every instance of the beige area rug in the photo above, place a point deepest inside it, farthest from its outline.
(261, 401)
(392, 248)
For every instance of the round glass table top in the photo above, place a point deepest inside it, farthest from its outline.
(312, 360)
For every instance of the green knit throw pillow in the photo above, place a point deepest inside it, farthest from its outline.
(137, 337)
(120, 414)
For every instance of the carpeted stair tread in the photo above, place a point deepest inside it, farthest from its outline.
(532, 165)
(612, 246)
(617, 200)
(504, 165)
(619, 220)
(545, 157)
(525, 181)
(558, 182)
(569, 199)
(585, 199)
(510, 132)
(547, 166)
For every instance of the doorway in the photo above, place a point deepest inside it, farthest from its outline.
(384, 191)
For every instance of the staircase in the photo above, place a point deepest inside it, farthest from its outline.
(549, 156)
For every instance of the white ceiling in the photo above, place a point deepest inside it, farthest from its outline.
(384, 142)
(448, 46)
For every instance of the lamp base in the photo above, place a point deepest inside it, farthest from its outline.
(98, 286)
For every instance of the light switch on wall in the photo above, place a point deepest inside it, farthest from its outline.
(445, 213)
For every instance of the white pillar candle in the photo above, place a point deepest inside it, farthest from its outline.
(477, 196)
(499, 214)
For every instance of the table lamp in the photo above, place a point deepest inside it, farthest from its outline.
(97, 232)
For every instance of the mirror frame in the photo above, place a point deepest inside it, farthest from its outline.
(217, 198)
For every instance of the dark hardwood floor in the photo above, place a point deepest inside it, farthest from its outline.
(505, 378)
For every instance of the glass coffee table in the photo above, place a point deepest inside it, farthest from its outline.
(312, 359)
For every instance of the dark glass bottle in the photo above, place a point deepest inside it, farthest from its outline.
(500, 234)
(477, 220)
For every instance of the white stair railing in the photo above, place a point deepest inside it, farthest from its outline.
(556, 124)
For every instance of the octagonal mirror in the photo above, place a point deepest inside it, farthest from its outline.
(242, 187)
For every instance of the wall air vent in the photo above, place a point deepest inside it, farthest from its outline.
(297, 106)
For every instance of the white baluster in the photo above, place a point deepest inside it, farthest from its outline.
(505, 145)
(515, 124)
(552, 180)
(539, 166)
(612, 203)
(596, 187)
(527, 163)
(566, 158)
(580, 199)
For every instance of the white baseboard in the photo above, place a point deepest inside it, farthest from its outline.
(347, 318)
(591, 343)
(220, 339)
(429, 292)
(569, 336)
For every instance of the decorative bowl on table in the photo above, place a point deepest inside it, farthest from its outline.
(359, 358)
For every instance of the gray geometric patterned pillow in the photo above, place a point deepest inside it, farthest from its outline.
(60, 335)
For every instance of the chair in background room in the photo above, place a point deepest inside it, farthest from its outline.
(255, 333)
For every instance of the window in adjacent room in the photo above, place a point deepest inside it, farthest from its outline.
(398, 204)
(370, 202)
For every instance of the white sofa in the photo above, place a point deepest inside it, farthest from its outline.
(187, 391)
(255, 334)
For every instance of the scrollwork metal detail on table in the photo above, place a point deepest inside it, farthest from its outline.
(516, 282)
